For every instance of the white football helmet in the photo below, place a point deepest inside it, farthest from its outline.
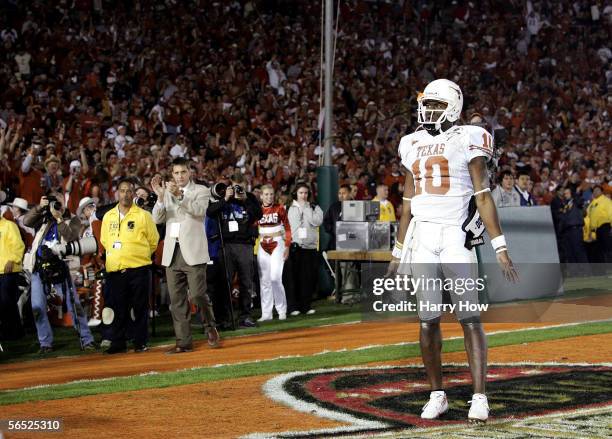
(441, 90)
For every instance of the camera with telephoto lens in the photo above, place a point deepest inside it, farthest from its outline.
(147, 203)
(81, 247)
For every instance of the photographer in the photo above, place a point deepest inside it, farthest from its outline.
(145, 199)
(50, 275)
(237, 213)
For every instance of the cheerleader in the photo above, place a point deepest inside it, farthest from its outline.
(274, 243)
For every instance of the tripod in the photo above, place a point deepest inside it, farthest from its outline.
(228, 281)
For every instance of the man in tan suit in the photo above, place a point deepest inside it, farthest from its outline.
(182, 206)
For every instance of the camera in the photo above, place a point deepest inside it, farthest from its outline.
(218, 190)
(53, 203)
(146, 203)
(51, 268)
(84, 246)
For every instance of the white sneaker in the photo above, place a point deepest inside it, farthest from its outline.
(282, 316)
(264, 318)
(105, 343)
(94, 322)
(295, 313)
(311, 312)
(479, 408)
(436, 406)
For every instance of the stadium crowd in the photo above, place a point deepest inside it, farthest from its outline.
(97, 91)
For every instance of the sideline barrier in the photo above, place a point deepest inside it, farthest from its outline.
(532, 244)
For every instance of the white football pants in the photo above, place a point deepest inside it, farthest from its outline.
(436, 254)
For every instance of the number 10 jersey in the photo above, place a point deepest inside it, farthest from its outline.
(439, 166)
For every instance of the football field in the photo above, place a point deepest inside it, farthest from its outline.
(330, 376)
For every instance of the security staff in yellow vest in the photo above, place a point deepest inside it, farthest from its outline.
(11, 255)
(600, 220)
(387, 211)
(129, 237)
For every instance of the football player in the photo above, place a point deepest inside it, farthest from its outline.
(446, 205)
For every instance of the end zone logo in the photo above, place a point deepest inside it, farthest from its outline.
(392, 398)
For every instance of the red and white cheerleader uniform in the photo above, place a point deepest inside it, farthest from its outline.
(274, 238)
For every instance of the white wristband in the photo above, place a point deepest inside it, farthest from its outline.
(487, 189)
(498, 242)
(396, 253)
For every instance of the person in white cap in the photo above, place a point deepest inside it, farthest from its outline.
(87, 211)
(92, 263)
(19, 207)
(74, 185)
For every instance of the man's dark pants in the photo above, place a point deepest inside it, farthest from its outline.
(239, 258)
(129, 290)
(10, 322)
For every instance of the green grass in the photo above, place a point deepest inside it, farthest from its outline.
(283, 365)
(66, 342)
(328, 313)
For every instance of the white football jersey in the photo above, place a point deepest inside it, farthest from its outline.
(439, 166)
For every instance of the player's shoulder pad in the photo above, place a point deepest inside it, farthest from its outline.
(408, 140)
(476, 138)
(471, 130)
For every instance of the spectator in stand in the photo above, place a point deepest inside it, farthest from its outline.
(31, 182)
(52, 180)
(522, 188)
(74, 185)
(504, 193)
(19, 207)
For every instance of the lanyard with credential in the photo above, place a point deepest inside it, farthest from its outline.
(117, 244)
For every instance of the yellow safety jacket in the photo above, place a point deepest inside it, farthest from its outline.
(130, 242)
(11, 245)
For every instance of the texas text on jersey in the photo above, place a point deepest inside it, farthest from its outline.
(274, 220)
(439, 166)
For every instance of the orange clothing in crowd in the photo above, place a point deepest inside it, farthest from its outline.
(30, 186)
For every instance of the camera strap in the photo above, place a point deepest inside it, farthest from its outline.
(51, 235)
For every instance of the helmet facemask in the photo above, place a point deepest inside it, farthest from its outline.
(432, 113)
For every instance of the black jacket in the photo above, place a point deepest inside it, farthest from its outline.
(331, 217)
(245, 212)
